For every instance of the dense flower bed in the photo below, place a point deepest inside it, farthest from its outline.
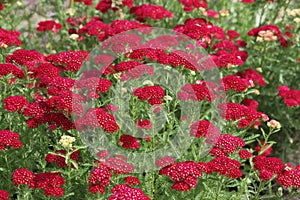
(90, 108)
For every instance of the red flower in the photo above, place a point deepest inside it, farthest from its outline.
(125, 192)
(234, 83)
(198, 92)
(119, 26)
(232, 34)
(225, 167)
(9, 38)
(290, 177)
(119, 165)
(164, 161)
(8, 68)
(252, 75)
(250, 103)
(247, 1)
(15, 103)
(97, 117)
(244, 154)
(150, 11)
(227, 144)
(125, 66)
(3, 194)
(95, 28)
(144, 124)
(129, 142)
(50, 182)
(49, 25)
(102, 154)
(104, 5)
(181, 186)
(212, 13)
(149, 92)
(23, 57)
(23, 177)
(61, 161)
(247, 116)
(9, 139)
(131, 180)
(206, 129)
(291, 96)
(265, 175)
(190, 5)
(184, 174)
(270, 164)
(99, 179)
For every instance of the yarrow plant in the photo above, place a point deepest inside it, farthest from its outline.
(127, 99)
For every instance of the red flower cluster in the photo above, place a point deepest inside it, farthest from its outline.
(41, 113)
(144, 124)
(51, 182)
(268, 33)
(129, 142)
(247, 116)
(154, 94)
(267, 166)
(97, 117)
(119, 165)
(137, 72)
(235, 83)
(125, 66)
(289, 177)
(49, 25)
(3, 194)
(225, 167)
(104, 5)
(119, 26)
(131, 180)
(28, 58)
(227, 55)
(250, 103)
(184, 174)
(227, 144)
(23, 177)
(69, 60)
(198, 92)
(251, 75)
(94, 85)
(151, 54)
(61, 161)
(15, 103)
(9, 139)
(95, 28)
(204, 128)
(102, 154)
(291, 96)
(99, 179)
(164, 161)
(9, 38)
(190, 5)
(7, 68)
(125, 192)
(150, 11)
(244, 154)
